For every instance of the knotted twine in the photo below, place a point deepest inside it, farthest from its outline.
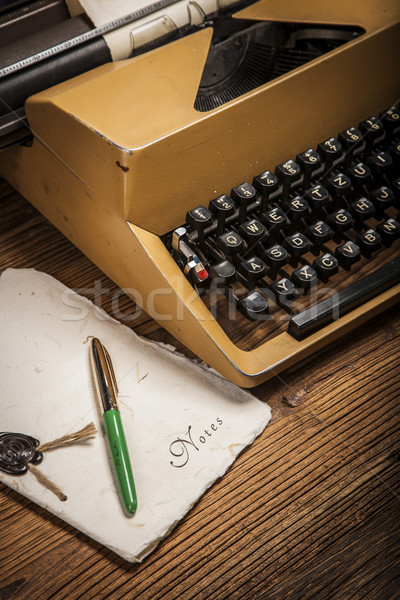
(66, 440)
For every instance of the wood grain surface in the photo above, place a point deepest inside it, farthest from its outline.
(310, 511)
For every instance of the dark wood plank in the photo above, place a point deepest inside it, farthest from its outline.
(310, 510)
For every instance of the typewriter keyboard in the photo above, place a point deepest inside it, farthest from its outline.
(304, 242)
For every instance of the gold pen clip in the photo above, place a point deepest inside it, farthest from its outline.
(105, 376)
(111, 369)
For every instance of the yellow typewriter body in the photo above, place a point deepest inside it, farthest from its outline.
(120, 155)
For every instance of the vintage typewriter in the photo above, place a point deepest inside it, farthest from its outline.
(236, 168)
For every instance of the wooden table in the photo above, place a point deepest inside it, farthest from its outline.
(310, 510)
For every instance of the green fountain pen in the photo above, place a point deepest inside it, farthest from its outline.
(107, 391)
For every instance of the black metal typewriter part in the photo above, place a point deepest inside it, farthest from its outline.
(244, 55)
(303, 243)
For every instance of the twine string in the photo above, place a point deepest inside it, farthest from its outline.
(47, 483)
(69, 438)
(66, 440)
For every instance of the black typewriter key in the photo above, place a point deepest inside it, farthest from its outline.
(396, 189)
(362, 209)
(284, 290)
(224, 272)
(339, 185)
(369, 241)
(395, 153)
(221, 207)
(288, 173)
(390, 119)
(319, 233)
(318, 197)
(274, 219)
(304, 277)
(266, 183)
(253, 269)
(244, 194)
(297, 208)
(254, 306)
(389, 231)
(309, 161)
(253, 231)
(381, 163)
(275, 257)
(199, 219)
(230, 243)
(372, 130)
(326, 266)
(348, 254)
(297, 245)
(382, 198)
(360, 174)
(199, 216)
(330, 150)
(340, 221)
(350, 139)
